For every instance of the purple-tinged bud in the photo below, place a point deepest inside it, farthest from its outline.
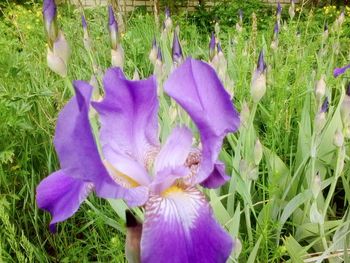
(167, 12)
(112, 27)
(219, 48)
(261, 65)
(258, 86)
(279, 10)
(339, 71)
(86, 39)
(212, 45)
(348, 89)
(83, 22)
(168, 23)
(159, 55)
(320, 120)
(154, 50)
(325, 105)
(133, 238)
(177, 50)
(49, 15)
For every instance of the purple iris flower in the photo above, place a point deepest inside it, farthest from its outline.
(177, 50)
(339, 71)
(179, 225)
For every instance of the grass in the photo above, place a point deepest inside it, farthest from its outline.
(267, 207)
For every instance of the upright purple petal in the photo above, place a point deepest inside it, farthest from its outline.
(176, 149)
(77, 150)
(179, 226)
(340, 71)
(61, 195)
(261, 65)
(129, 120)
(197, 88)
(279, 9)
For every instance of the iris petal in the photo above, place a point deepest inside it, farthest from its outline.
(179, 227)
(175, 150)
(61, 195)
(197, 88)
(128, 115)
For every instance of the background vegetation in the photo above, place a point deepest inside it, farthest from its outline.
(269, 213)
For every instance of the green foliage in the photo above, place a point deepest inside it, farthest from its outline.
(266, 206)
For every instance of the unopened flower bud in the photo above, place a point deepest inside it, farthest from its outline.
(345, 108)
(50, 14)
(117, 56)
(320, 89)
(325, 32)
(57, 57)
(177, 50)
(168, 23)
(212, 45)
(258, 86)
(245, 114)
(153, 53)
(291, 9)
(258, 152)
(316, 185)
(278, 11)
(320, 119)
(86, 38)
(315, 216)
(217, 28)
(338, 139)
(113, 28)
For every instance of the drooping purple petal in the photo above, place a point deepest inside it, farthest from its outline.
(179, 226)
(339, 71)
(61, 195)
(77, 150)
(176, 149)
(197, 88)
(217, 178)
(128, 115)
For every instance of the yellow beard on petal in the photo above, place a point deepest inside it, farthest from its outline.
(120, 178)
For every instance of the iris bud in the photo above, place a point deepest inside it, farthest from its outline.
(177, 50)
(291, 10)
(212, 45)
(57, 57)
(338, 139)
(316, 185)
(258, 86)
(320, 89)
(258, 152)
(315, 216)
(153, 53)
